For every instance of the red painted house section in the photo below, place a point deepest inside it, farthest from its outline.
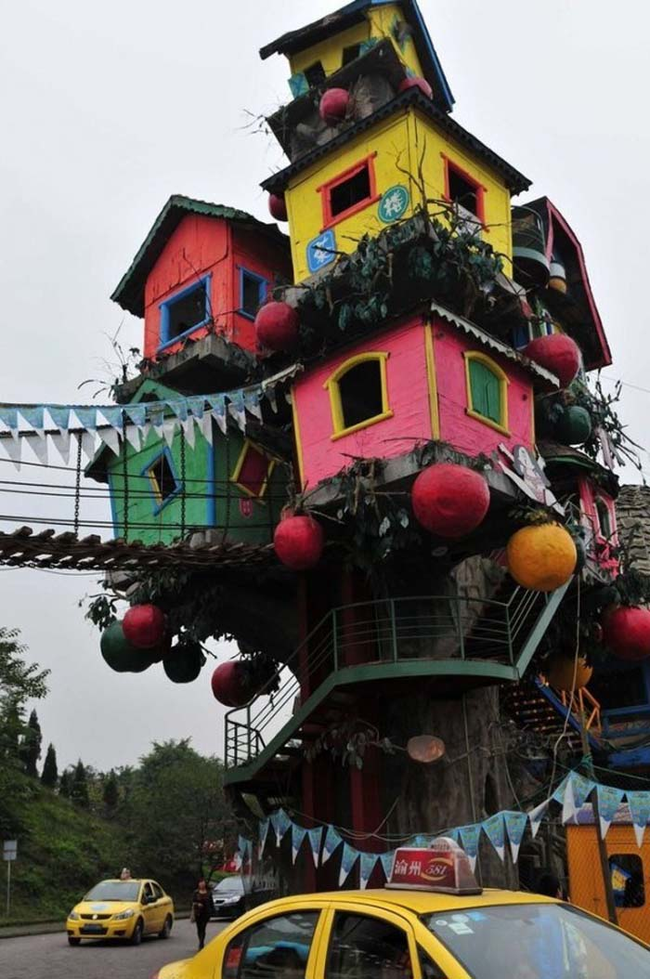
(200, 246)
(409, 400)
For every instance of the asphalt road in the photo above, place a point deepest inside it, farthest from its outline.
(50, 956)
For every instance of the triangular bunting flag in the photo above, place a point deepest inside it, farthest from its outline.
(61, 442)
(237, 409)
(252, 402)
(280, 823)
(59, 415)
(112, 415)
(495, 830)
(88, 445)
(34, 417)
(38, 445)
(13, 446)
(609, 799)
(366, 867)
(298, 834)
(315, 840)
(188, 430)
(558, 795)
(469, 839)
(569, 808)
(196, 406)
(387, 860)
(639, 803)
(137, 414)
(133, 436)
(516, 823)
(332, 841)
(206, 427)
(348, 859)
(582, 788)
(263, 833)
(536, 815)
(169, 430)
(9, 417)
(179, 408)
(87, 417)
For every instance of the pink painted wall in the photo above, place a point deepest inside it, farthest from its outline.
(468, 434)
(408, 398)
(202, 245)
(601, 550)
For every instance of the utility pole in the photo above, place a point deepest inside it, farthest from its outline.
(9, 854)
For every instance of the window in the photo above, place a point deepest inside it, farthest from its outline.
(466, 193)
(358, 393)
(487, 391)
(186, 311)
(147, 894)
(367, 948)
(350, 53)
(162, 479)
(604, 518)
(276, 948)
(627, 880)
(157, 891)
(315, 74)
(252, 293)
(352, 191)
(253, 470)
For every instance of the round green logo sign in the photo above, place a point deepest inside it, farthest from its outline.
(393, 204)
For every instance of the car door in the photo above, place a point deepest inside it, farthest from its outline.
(279, 943)
(368, 942)
(162, 905)
(148, 909)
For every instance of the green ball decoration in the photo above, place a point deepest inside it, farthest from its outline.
(574, 427)
(119, 654)
(184, 662)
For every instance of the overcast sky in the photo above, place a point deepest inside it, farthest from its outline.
(108, 108)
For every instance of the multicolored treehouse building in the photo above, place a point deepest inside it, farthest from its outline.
(422, 501)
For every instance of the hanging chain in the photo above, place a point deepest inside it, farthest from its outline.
(125, 478)
(183, 497)
(77, 486)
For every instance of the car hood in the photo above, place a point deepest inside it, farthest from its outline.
(105, 907)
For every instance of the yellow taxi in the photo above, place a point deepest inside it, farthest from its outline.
(430, 922)
(122, 909)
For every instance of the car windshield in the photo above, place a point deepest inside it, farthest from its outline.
(538, 941)
(230, 884)
(114, 890)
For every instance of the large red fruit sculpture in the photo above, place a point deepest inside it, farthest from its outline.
(276, 326)
(278, 207)
(558, 353)
(144, 626)
(231, 684)
(626, 632)
(415, 81)
(450, 500)
(298, 542)
(334, 105)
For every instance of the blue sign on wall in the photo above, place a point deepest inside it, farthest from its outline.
(321, 251)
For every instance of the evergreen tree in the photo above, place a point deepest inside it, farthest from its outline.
(30, 746)
(65, 784)
(50, 774)
(79, 786)
(111, 792)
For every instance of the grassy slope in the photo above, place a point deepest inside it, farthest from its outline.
(61, 853)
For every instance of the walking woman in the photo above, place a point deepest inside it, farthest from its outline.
(202, 909)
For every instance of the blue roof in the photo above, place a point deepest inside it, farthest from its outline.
(352, 13)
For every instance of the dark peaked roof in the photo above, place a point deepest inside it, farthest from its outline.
(412, 97)
(129, 294)
(353, 13)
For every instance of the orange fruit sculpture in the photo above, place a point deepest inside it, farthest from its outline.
(542, 557)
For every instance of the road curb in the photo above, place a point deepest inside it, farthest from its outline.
(52, 927)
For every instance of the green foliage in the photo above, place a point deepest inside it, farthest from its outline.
(65, 785)
(50, 774)
(79, 786)
(110, 791)
(101, 611)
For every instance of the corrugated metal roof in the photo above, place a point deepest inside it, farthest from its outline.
(489, 341)
(129, 294)
(411, 98)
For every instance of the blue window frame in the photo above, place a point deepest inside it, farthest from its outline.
(252, 292)
(185, 312)
(164, 484)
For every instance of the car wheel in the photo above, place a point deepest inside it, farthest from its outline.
(136, 937)
(166, 929)
(74, 941)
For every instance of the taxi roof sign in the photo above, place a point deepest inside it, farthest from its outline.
(443, 867)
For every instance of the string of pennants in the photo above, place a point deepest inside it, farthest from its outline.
(504, 828)
(109, 425)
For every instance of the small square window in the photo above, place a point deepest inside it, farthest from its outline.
(628, 882)
(184, 312)
(348, 193)
(252, 293)
(467, 195)
(462, 191)
(315, 74)
(253, 470)
(162, 478)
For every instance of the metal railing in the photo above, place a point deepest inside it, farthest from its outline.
(393, 630)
